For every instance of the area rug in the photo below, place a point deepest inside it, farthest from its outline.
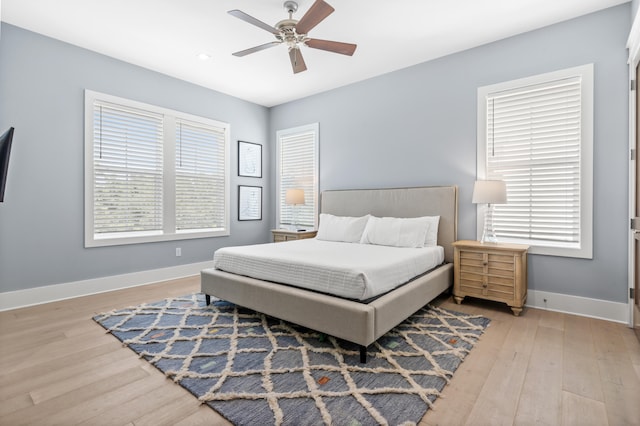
(257, 370)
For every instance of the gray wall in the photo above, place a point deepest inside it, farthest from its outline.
(417, 126)
(42, 84)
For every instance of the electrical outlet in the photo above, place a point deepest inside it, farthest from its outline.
(178, 251)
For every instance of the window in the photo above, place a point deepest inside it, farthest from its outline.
(152, 174)
(536, 134)
(297, 158)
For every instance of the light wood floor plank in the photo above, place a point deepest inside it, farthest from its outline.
(42, 412)
(84, 370)
(55, 351)
(541, 396)
(633, 348)
(55, 355)
(138, 406)
(94, 375)
(44, 366)
(16, 403)
(580, 374)
(552, 319)
(498, 399)
(94, 407)
(578, 410)
(620, 384)
(469, 378)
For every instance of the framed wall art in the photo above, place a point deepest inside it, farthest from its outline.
(249, 202)
(249, 159)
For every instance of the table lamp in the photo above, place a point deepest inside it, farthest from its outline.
(489, 192)
(294, 197)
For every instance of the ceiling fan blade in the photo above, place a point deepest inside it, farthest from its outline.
(256, 49)
(250, 19)
(332, 46)
(297, 61)
(316, 13)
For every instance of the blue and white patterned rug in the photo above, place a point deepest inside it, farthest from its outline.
(258, 370)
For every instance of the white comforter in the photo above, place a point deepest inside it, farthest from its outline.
(349, 270)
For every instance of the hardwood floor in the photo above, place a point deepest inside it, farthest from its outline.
(58, 367)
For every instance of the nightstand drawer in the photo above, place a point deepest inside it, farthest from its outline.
(500, 265)
(470, 277)
(471, 257)
(471, 289)
(496, 280)
(500, 291)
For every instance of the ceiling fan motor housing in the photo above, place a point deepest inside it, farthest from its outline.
(287, 28)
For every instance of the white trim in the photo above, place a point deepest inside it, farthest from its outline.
(633, 44)
(315, 128)
(52, 293)
(169, 233)
(586, 155)
(576, 305)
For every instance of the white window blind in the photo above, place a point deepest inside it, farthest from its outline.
(200, 176)
(298, 169)
(127, 170)
(536, 142)
(152, 174)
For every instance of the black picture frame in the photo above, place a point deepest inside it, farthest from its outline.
(249, 159)
(249, 202)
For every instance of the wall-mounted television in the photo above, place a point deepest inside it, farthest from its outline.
(5, 150)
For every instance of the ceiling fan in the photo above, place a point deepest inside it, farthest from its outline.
(293, 33)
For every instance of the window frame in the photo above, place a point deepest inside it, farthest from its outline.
(315, 129)
(585, 72)
(169, 231)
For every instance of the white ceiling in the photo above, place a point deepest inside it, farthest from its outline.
(168, 35)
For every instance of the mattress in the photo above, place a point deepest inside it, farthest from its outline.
(348, 270)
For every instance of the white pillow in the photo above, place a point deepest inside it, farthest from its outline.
(341, 228)
(396, 232)
(432, 232)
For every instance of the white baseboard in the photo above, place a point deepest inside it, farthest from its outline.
(576, 305)
(51, 293)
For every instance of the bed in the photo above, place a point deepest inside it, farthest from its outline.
(356, 321)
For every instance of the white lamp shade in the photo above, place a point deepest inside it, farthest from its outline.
(489, 192)
(294, 196)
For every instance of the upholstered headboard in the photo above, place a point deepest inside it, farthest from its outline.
(400, 202)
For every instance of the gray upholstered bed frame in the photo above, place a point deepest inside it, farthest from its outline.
(360, 323)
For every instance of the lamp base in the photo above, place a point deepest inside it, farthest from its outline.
(295, 218)
(488, 233)
(488, 238)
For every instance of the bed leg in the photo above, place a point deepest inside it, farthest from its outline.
(363, 354)
(207, 299)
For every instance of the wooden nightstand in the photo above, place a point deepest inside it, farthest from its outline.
(493, 271)
(280, 235)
